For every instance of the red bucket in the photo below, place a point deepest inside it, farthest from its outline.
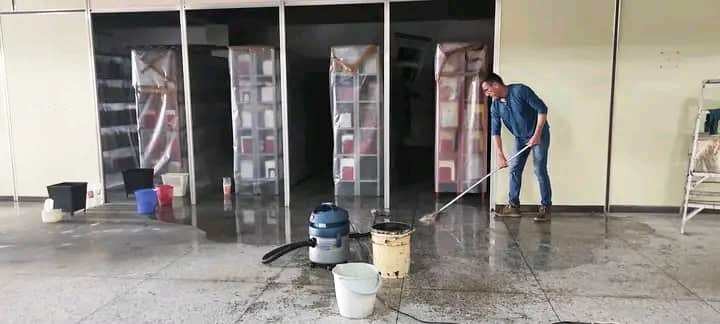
(165, 195)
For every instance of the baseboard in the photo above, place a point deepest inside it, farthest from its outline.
(561, 208)
(613, 209)
(643, 209)
(7, 198)
(654, 209)
(31, 199)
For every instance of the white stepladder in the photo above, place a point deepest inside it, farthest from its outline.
(698, 199)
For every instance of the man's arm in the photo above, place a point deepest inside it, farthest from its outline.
(501, 159)
(536, 103)
(495, 131)
(535, 139)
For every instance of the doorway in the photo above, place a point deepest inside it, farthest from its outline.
(420, 32)
(334, 118)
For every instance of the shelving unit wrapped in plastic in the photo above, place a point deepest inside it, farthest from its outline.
(355, 92)
(461, 117)
(257, 130)
(157, 81)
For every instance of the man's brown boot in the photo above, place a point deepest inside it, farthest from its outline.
(508, 211)
(543, 214)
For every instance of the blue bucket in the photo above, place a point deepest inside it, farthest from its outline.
(146, 200)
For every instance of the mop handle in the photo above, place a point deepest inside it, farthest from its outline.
(446, 206)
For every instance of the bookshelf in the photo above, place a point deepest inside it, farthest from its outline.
(257, 132)
(158, 84)
(357, 118)
(461, 117)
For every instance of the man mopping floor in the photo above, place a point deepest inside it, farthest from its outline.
(525, 116)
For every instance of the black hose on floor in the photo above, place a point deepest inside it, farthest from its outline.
(408, 315)
(278, 252)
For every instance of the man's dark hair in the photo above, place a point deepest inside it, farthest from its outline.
(494, 78)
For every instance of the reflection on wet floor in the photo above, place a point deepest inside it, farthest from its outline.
(466, 233)
(265, 221)
(259, 220)
(249, 220)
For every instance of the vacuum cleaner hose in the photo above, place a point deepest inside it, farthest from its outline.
(280, 251)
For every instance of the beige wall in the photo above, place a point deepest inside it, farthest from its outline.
(5, 5)
(28, 5)
(49, 89)
(664, 54)
(562, 49)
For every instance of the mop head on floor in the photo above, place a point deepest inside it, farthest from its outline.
(429, 218)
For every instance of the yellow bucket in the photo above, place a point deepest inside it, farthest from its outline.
(391, 248)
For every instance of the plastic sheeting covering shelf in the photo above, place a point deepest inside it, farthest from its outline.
(707, 161)
(257, 130)
(707, 158)
(157, 81)
(355, 90)
(462, 114)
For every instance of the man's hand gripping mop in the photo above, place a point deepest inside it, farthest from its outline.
(429, 218)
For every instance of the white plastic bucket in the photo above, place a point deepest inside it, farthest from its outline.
(179, 181)
(391, 248)
(356, 285)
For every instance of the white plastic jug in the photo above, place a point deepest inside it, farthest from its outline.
(356, 285)
(49, 214)
(227, 186)
(49, 205)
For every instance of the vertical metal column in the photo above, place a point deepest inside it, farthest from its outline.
(94, 87)
(386, 103)
(8, 113)
(496, 69)
(615, 48)
(284, 105)
(188, 102)
(278, 137)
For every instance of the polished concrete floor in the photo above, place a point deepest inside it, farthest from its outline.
(201, 264)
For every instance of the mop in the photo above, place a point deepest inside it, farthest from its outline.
(429, 218)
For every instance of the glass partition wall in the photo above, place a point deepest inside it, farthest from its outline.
(235, 88)
(440, 51)
(138, 63)
(334, 69)
(334, 73)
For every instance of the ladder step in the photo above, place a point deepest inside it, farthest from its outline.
(705, 193)
(703, 204)
(704, 201)
(708, 182)
(705, 174)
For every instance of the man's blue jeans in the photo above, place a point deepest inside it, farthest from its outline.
(540, 157)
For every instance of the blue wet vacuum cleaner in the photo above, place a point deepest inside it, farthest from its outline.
(328, 231)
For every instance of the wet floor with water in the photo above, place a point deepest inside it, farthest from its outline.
(202, 264)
